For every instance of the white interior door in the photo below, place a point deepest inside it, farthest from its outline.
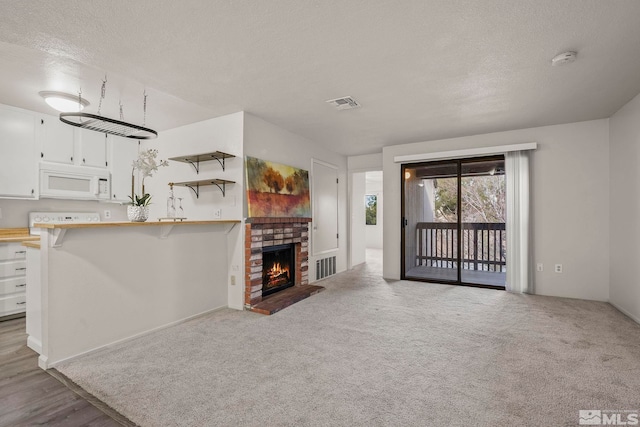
(325, 207)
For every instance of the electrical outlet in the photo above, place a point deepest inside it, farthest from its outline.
(107, 214)
(217, 213)
(558, 268)
(233, 280)
(540, 267)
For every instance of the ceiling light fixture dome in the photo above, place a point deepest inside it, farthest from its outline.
(64, 102)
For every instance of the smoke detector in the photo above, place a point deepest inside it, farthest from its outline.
(344, 103)
(564, 58)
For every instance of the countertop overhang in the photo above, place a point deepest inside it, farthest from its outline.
(19, 239)
(58, 231)
(11, 235)
(132, 224)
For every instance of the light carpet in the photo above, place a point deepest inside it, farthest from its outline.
(366, 352)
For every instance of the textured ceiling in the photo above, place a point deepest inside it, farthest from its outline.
(421, 69)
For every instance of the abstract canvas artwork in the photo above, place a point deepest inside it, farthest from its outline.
(276, 190)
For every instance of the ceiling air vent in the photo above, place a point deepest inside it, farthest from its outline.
(344, 103)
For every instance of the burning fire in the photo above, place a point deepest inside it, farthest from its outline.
(277, 274)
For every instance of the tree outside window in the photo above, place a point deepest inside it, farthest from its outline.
(371, 209)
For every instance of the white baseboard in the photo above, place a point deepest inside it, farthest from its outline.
(625, 312)
(34, 344)
(42, 362)
(45, 364)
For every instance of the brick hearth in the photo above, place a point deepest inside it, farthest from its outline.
(265, 232)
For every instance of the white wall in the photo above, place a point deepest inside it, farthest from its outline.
(365, 163)
(270, 142)
(358, 227)
(570, 209)
(374, 232)
(624, 134)
(219, 134)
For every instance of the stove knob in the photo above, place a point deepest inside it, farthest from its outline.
(45, 219)
(37, 219)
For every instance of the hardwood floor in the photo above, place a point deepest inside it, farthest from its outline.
(30, 396)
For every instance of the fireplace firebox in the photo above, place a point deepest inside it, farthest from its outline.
(278, 268)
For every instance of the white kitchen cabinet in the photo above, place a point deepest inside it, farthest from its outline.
(63, 143)
(122, 153)
(18, 161)
(58, 141)
(93, 148)
(13, 282)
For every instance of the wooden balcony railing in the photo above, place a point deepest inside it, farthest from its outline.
(483, 245)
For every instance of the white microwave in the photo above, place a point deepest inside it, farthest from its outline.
(74, 182)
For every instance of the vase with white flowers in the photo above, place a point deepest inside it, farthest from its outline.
(146, 165)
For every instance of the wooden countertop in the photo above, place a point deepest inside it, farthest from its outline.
(133, 224)
(10, 235)
(34, 245)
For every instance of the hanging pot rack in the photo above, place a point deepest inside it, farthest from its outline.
(106, 125)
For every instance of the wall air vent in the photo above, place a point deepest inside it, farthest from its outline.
(344, 103)
(325, 267)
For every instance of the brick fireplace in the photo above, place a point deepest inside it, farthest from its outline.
(268, 232)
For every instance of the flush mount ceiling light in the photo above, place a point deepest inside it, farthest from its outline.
(64, 102)
(564, 58)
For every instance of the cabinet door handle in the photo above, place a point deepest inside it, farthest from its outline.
(21, 252)
(21, 303)
(21, 268)
(22, 285)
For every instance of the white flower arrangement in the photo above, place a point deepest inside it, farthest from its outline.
(146, 165)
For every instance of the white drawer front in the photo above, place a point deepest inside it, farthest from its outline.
(13, 286)
(13, 268)
(11, 251)
(13, 304)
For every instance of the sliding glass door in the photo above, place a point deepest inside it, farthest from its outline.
(453, 219)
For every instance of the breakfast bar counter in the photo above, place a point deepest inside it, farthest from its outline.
(105, 282)
(59, 230)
